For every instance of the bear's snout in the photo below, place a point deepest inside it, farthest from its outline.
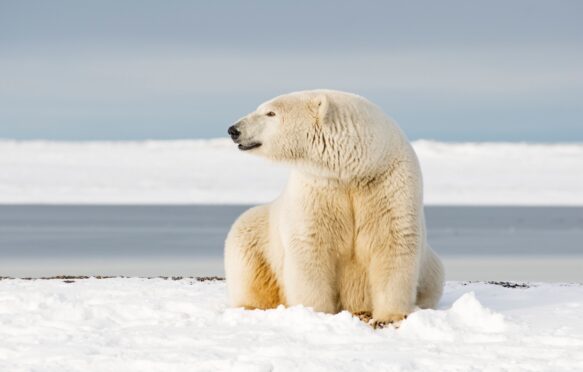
(234, 132)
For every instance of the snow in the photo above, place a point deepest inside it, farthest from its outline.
(137, 324)
(214, 171)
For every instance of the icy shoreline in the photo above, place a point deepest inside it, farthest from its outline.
(215, 172)
(155, 324)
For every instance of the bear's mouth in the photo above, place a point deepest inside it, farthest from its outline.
(249, 146)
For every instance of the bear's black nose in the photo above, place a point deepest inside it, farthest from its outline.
(233, 132)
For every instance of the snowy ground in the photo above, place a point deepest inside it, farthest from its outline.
(165, 325)
(214, 171)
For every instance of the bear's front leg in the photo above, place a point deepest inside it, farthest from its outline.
(310, 277)
(396, 243)
(394, 267)
(315, 227)
(393, 281)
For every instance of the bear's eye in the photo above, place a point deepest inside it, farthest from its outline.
(270, 113)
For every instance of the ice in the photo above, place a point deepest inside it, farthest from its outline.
(214, 171)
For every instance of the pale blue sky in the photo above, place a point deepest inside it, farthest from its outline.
(446, 70)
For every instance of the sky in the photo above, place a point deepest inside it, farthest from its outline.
(494, 70)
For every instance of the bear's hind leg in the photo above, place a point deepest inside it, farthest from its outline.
(431, 280)
(250, 281)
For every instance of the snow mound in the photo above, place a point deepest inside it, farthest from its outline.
(214, 171)
(135, 324)
(466, 320)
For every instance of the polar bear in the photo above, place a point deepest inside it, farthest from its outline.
(348, 231)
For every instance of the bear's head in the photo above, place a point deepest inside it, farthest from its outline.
(329, 133)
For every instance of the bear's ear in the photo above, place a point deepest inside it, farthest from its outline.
(321, 106)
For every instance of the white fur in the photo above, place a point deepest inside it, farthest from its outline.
(348, 232)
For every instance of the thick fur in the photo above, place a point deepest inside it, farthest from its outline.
(348, 232)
